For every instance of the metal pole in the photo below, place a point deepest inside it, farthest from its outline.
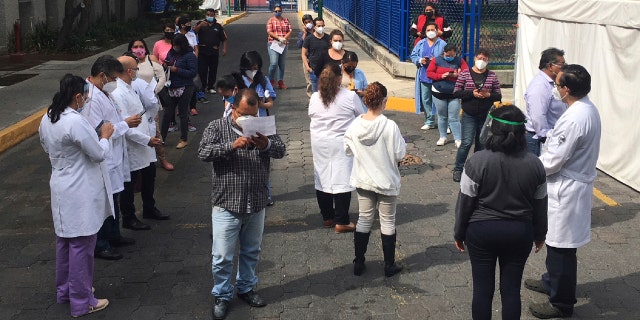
(319, 8)
(228, 8)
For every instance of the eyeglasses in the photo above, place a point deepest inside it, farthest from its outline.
(278, 11)
(559, 65)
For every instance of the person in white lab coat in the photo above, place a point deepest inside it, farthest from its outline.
(377, 146)
(80, 192)
(570, 165)
(142, 156)
(97, 110)
(332, 110)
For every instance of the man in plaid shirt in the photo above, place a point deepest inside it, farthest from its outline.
(239, 197)
(279, 29)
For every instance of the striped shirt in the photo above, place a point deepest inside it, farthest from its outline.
(239, 177)
(464, 90)
(279, 27)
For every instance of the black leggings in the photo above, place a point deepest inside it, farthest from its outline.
(170, 104)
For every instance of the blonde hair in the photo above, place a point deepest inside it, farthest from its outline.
(328, 84)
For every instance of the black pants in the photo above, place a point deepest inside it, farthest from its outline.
(561, 277)
(147, 188)
(110, 227)
(170, 104)
(509, 242)
(208, 69)
(340, 212)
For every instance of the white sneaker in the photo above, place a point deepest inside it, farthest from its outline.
(448, 130)
(212, 91)
(458, 143)
(427, 127)
(441, 142)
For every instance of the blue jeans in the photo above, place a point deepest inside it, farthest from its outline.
(509, 243)
(229, 228)
(448, 115)
(471, 127)
(276, 61)
(314, 82)
(533, 145)
(427, 104)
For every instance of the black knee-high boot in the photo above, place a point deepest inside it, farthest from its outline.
(389, 251)
(360, 242)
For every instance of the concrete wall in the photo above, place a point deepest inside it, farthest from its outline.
(31, 12)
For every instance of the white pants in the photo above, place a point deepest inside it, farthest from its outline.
(367, 202)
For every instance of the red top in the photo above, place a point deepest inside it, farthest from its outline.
(279, 27)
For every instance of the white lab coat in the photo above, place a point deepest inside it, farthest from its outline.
(80, 185)
(99, 108)
(147, 95)
(140, 153)
(570, 163)
(331, 166)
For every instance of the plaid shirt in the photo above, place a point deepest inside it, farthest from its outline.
(240, 177)
(279, 27)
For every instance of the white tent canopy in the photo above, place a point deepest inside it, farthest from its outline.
(604, 37)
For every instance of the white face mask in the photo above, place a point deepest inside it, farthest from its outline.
(110, 87)
(431, 34)
(309, 26)
(240, 119)
(251, 73)
(481, 64)
(556, 94)
(337, 45)
(320, 30)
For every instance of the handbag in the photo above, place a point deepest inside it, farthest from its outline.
(175, 92)
(444, 86)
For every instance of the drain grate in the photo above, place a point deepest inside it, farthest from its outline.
(15, 78)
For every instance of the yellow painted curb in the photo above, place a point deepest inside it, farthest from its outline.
(232, 19)
(604, 198)
(20, 131)
(401, 104)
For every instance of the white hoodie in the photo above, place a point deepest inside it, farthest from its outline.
(377, 146)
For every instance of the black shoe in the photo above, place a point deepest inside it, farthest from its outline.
(535, 285)
(220, 309)
(270, 203)
(122, 241)
(155, 214)
(108, 254)
(252, 298)
(546, 310)
(203, 100)
(134, 224)
(457, 175)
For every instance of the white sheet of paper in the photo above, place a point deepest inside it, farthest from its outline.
(277, 46)
(265, 125)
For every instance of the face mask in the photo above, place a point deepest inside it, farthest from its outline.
(320, 30)
(481, 64)
(556, 94)
(449, 59)
(431, 34)
(169, 35)
(110, 87)
(210, 19)
(309, 26)
(242, 118)
(251, 73)
(139, 52)
(134, 77)
(187, 28)
(231, 99)
(278, 14)
(337, 45)
(430, 14)
(349, 69)
(84, 103)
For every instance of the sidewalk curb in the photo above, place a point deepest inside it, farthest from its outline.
(25, 128)
(20, 131)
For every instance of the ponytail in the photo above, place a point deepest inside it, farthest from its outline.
(70, 85)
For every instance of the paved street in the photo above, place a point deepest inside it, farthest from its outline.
(305, 270)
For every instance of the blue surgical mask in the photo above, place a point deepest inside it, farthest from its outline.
(278, 14)
(210, 19)
(231, 99)
(449, 59)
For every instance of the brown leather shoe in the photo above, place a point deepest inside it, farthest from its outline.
(342, 228)
(181, 144)
(328, 223)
